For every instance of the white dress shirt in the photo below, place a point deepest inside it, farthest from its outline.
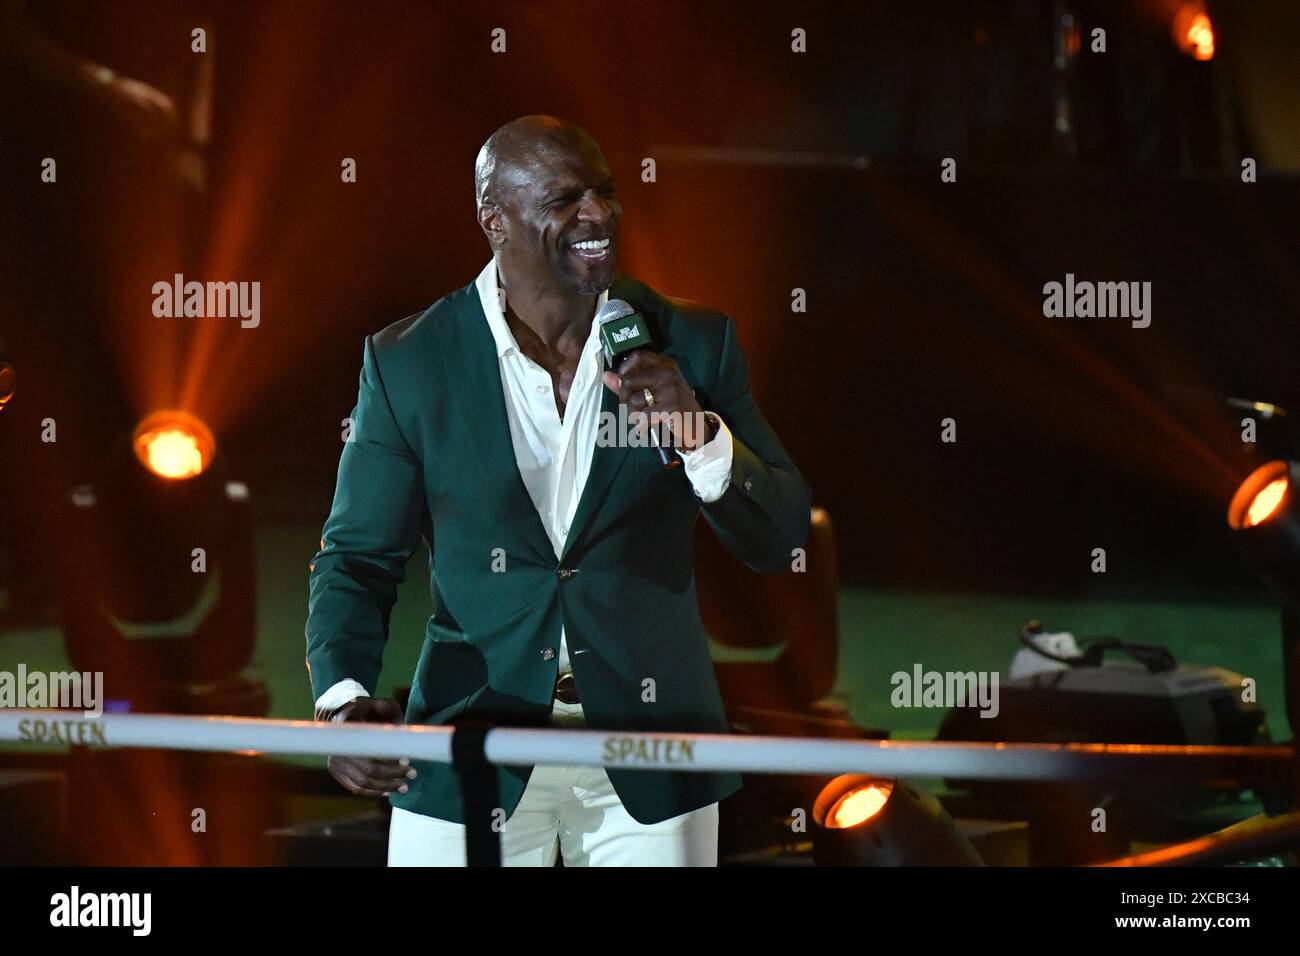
(554, 454)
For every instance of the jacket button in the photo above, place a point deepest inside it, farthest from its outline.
(749, 484)
(548, 653)
(565, 573)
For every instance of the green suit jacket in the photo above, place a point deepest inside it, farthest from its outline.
(431, 458)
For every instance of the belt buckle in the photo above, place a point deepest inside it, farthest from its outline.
(566, 689)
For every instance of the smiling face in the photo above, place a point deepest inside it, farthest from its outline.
(550, 213)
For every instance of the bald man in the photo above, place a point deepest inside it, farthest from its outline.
(560, 560)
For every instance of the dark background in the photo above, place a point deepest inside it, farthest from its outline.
(775, 171)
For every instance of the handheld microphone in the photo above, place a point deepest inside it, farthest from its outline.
(622, 332)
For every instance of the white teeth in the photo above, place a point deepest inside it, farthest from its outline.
(592, 244)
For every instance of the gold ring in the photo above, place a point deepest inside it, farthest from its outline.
(649, 397)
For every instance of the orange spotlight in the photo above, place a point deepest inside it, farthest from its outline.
(1266, 523)
(1260, 496)
(1193, 31)
(1265, 502)
(173, 444)
(864, 820)
(8, 383)
(859, 805)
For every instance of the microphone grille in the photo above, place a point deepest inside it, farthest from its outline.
(611, 310)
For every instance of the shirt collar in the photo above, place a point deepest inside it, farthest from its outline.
(487, 287)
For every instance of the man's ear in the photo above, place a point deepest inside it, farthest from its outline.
(490, 220)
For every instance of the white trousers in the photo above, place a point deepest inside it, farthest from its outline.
(565, 810)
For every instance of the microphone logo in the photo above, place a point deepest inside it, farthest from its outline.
(622, 330)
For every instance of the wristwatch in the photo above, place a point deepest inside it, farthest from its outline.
(715, 425)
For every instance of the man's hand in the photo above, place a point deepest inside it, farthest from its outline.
(660, 374)
(361, 775)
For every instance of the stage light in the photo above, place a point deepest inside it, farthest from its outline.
(859, 805)
(8, 377)
(1265, 503)
(1264, 517)
(1193, 31)
(173, 444)
(158, 585)
(860, 820)
(1266, 523)
(8, 383)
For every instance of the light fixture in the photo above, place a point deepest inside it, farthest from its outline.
(859, 820)
(859, 805)
(173, 444)
(158, 589)
(1193, 31)
(8, 377)
(1264, 516)
(1266, 523)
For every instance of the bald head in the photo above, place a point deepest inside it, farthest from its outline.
(514, 146)
(547, 206)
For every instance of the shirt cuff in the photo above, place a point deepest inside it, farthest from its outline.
(708, 468)
(344, 692)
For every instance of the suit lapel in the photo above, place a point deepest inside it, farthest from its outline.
(606, 460)
(470, 363)
(469, 358)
